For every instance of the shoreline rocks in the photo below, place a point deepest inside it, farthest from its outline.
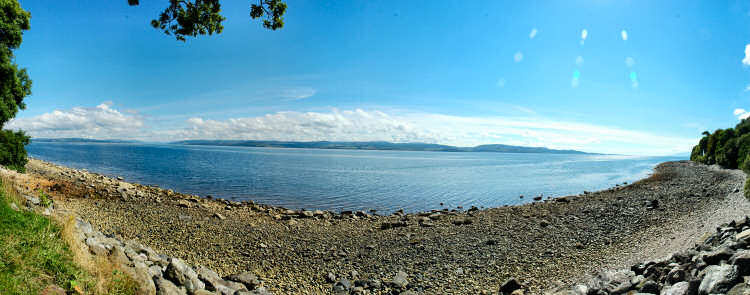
(719, 264)
(551, 242)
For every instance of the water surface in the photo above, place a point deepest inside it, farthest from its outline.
(351, 179)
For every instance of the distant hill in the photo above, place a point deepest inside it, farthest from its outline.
(82, 140)
(379, 145)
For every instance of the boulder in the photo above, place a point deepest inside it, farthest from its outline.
(183, 275)
(680, 288)
(719, 279)
(215, 283)
(165, 287)
(248, 279)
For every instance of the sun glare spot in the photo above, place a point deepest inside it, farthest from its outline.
(630, 62)
(579, 60)
(584, 35)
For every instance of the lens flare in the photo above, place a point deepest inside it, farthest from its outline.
(579, 60)
(518, 57)
(630, 62)
(633, 76)
(624, 35)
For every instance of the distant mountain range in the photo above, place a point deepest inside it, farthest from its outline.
(379, 145)
(341, 145)
(82, 140)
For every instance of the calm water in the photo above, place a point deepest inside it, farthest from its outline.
(351, 180)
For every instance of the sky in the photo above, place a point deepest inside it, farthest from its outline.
(625, 77)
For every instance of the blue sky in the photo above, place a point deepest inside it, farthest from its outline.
(451, 72)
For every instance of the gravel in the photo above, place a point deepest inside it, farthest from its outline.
(544, 244)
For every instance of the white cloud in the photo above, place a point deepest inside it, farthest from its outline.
(533, 33)
(99, 122)
(518, 57)
(298, 92)
(624, 35)
(741, 114)
(746, 60)
(104, 122)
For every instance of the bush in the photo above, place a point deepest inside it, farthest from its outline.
(13, 149)
(747, 188)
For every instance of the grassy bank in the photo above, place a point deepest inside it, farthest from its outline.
(36, 258)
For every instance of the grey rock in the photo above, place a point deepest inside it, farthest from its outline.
(344, 283)
(719, 279)
(714, 257)
(399, 280)
(742, 260)
(676, 275)
(182, 275)
(165, 287)
(259, 291)
(248, 279)
(680, 288)
(739, 289)
(213, 282)
(31, 200)
(580, 290)
(649, 287)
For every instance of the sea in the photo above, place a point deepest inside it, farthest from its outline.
(340, 180)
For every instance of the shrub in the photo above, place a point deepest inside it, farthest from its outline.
(747, 188)
(13, 149)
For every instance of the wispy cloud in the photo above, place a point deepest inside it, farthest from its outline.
(746, 60)
(298, 92)
(360, 125)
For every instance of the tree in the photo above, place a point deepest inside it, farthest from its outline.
(15, 84)
(190, 18)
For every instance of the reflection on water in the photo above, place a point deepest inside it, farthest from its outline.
(351, 180)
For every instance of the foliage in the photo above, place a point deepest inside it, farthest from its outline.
(747, 188)
(186, 18)
(15, 84)
(12, 149)
(44, 199)
(729, 147)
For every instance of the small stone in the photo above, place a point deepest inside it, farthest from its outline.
(219, 216)
(399, 280)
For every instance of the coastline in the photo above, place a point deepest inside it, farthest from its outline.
(541, 244)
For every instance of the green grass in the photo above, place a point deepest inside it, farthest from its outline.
(34, 254)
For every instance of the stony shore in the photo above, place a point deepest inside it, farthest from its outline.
(542, 245)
